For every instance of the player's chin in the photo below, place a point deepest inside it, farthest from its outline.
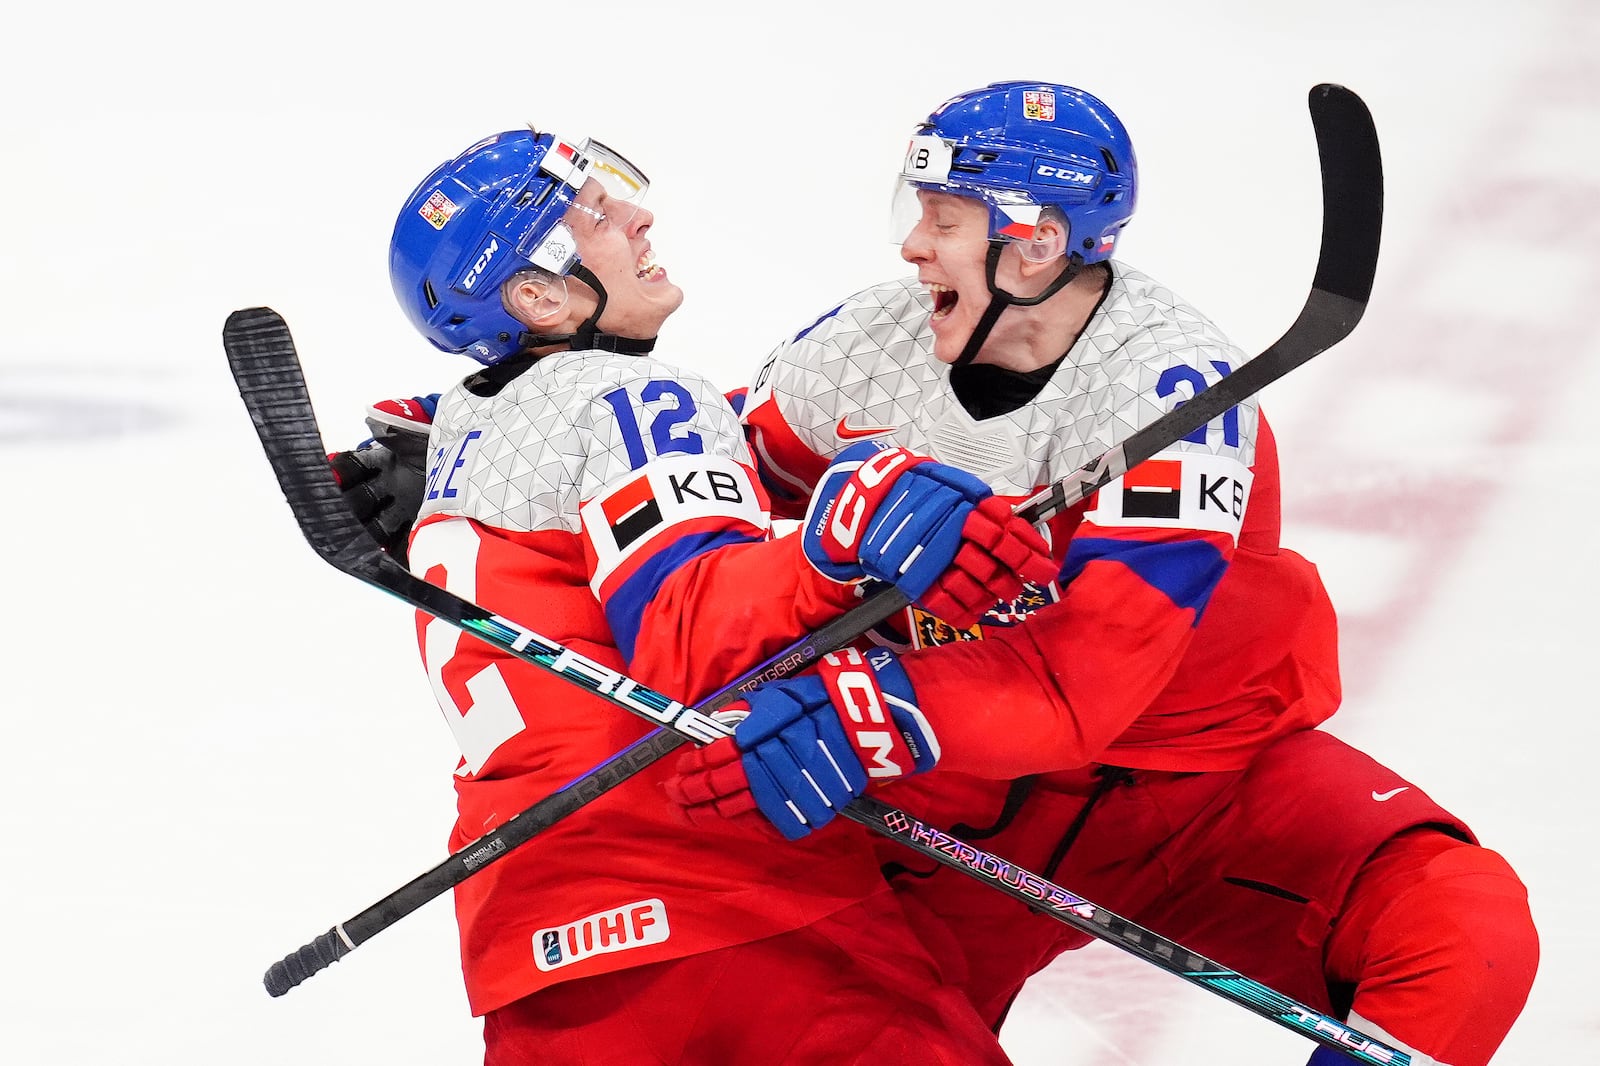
(948, 344)
(666, 295)
(651, 310)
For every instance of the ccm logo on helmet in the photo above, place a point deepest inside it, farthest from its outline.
(486, 254)
(1062, 174)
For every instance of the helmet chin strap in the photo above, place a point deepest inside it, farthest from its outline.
(587, 337)
(1000, 299)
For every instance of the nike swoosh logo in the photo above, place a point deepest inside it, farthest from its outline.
(849, 432)
(1385, 797)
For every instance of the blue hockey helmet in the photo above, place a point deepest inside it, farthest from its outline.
(1021, 147)
(491, 212)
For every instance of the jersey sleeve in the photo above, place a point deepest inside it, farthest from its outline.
(678, 546)
(1138, 574)
(777, 406)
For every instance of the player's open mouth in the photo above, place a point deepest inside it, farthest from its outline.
(944, 300)
(646, 268)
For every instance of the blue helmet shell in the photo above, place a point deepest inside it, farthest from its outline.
(1022, 144)
(472, 223)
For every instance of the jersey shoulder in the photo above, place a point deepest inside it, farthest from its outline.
(1150, 350)
(868, 360)
(524, 456)
(884, 325)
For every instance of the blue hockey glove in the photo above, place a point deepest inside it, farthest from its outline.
(810, 745)
(931, 530)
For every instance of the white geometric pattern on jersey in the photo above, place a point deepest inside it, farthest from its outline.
(549, 442)
(873, 361)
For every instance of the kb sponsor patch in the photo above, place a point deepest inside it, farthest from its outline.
(627, 513)
(631, 511)
(1180, 490)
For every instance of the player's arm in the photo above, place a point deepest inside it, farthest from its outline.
(696, 593)
(1045, 695)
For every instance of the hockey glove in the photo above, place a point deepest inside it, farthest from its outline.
(810, 745)
(935, 532)
(382, 479)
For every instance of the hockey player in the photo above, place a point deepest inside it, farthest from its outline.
(591, 491)
(1142, 729)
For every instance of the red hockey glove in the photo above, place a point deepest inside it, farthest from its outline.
(999, 554)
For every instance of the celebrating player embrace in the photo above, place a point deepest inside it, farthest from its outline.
(1129, 705)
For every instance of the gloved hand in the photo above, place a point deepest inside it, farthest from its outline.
(382, 478)
(937, 533)
(809, 745)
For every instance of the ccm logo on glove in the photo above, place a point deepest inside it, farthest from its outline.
(883, 751)
(847, 516)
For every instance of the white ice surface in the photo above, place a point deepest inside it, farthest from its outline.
(196, 783)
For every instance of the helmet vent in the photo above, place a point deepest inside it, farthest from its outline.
(1111, 162)
(429, 295)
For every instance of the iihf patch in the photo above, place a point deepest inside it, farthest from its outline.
(1178, 490)
(632, 925)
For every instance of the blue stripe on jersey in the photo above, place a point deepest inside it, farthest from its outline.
(1185, 571)
(625, 609)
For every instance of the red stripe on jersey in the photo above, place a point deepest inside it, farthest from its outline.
(782, 458)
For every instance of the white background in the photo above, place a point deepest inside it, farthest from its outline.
(216, 746)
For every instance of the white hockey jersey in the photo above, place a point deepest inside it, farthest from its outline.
(606, 503)
(866, 369)
(1179, 635)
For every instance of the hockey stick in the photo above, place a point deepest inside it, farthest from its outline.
(264, 364)
(262, 356)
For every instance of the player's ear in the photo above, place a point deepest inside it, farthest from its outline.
(534, 297)
(1048, 243)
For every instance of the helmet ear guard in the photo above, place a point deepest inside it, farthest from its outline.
(1049, 239)
(534, 296)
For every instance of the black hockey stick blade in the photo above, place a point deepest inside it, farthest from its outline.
(265, 367)
(1352, 230)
